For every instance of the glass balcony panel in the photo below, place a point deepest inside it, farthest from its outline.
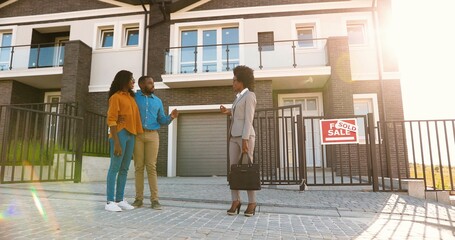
(31, 56)
(186, 68)
(280, 57)
(209, 66)
(250, 55)
(276, 55)
(312, 57)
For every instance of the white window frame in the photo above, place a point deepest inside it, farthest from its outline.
(200, 27)
(126, 29)
(119, 40)
(360, 18)
(2, 32)
(175, 38)
(363, 25)
(373, 98)
(307, 23)
(101, 32)
(302, 28)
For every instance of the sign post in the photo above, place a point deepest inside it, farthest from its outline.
(339, 131)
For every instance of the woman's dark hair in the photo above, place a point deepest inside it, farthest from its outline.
(121, 79)
(245, 75)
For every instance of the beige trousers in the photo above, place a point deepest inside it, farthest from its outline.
(235, 151)
(145, 155)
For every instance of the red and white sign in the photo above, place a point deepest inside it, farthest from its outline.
(339, 131)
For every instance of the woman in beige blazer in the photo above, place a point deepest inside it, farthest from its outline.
(241, 130)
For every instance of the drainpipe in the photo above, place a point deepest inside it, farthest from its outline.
(374, 12)
(383, 118)
(144, 41)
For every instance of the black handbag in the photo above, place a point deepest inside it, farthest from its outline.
(244, 176)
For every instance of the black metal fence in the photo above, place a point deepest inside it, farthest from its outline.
(32, 56)
(96, 137)
(419, 149)
(338, 164)
(278, 145)
(40, 145)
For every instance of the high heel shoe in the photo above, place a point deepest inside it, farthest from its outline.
(250, 210)
(235, 208)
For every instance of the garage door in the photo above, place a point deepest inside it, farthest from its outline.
(201, 144)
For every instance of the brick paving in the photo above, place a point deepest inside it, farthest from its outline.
(194, 208)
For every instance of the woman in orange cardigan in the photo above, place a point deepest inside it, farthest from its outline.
(122, 138)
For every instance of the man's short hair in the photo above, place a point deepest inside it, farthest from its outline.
(143, 78)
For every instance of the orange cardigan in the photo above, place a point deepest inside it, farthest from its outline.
(122, 103)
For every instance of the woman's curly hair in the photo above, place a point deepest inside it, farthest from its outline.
(121, 79)
(245, 75)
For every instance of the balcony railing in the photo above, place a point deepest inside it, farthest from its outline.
(31, 56)
(259, 56)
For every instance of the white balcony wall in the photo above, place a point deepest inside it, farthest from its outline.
(106, 64)
(363, 58)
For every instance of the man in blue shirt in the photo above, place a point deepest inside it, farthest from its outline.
(147, 143)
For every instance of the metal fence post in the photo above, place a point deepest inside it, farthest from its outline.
(373, 164)
(79, 145)
(301, 151)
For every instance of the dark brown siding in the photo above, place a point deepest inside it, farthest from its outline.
(34, 7)
(217, 4)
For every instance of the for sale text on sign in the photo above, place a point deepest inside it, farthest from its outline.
(339, 131)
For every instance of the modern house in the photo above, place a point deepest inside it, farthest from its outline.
(328, 56)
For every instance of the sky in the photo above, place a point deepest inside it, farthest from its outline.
(424, 40)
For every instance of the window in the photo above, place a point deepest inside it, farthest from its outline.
(187, 55)
(209, 50)
(107, 38)
(305, 34)
(132, 36)
(356, 33)
(266, 41)
(364, 104)
(230, 49)
(5, 50)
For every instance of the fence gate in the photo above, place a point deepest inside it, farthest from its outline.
(339, 162)
(40, 143)
(289, 150)
(278, 148)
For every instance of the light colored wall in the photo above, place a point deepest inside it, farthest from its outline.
(363, 58)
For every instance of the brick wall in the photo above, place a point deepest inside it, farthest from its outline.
(76, 74)
(34, 7)
(392, 96)
(159, 37)
(97, 102)
(22, 93)
(338, 89)
(203, 96)
(217, 4)
(6, 88)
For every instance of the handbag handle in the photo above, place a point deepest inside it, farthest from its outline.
(241, 159)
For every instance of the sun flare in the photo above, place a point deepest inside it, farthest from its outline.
(423, 38)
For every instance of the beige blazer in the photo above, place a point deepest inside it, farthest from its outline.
(242, 115)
